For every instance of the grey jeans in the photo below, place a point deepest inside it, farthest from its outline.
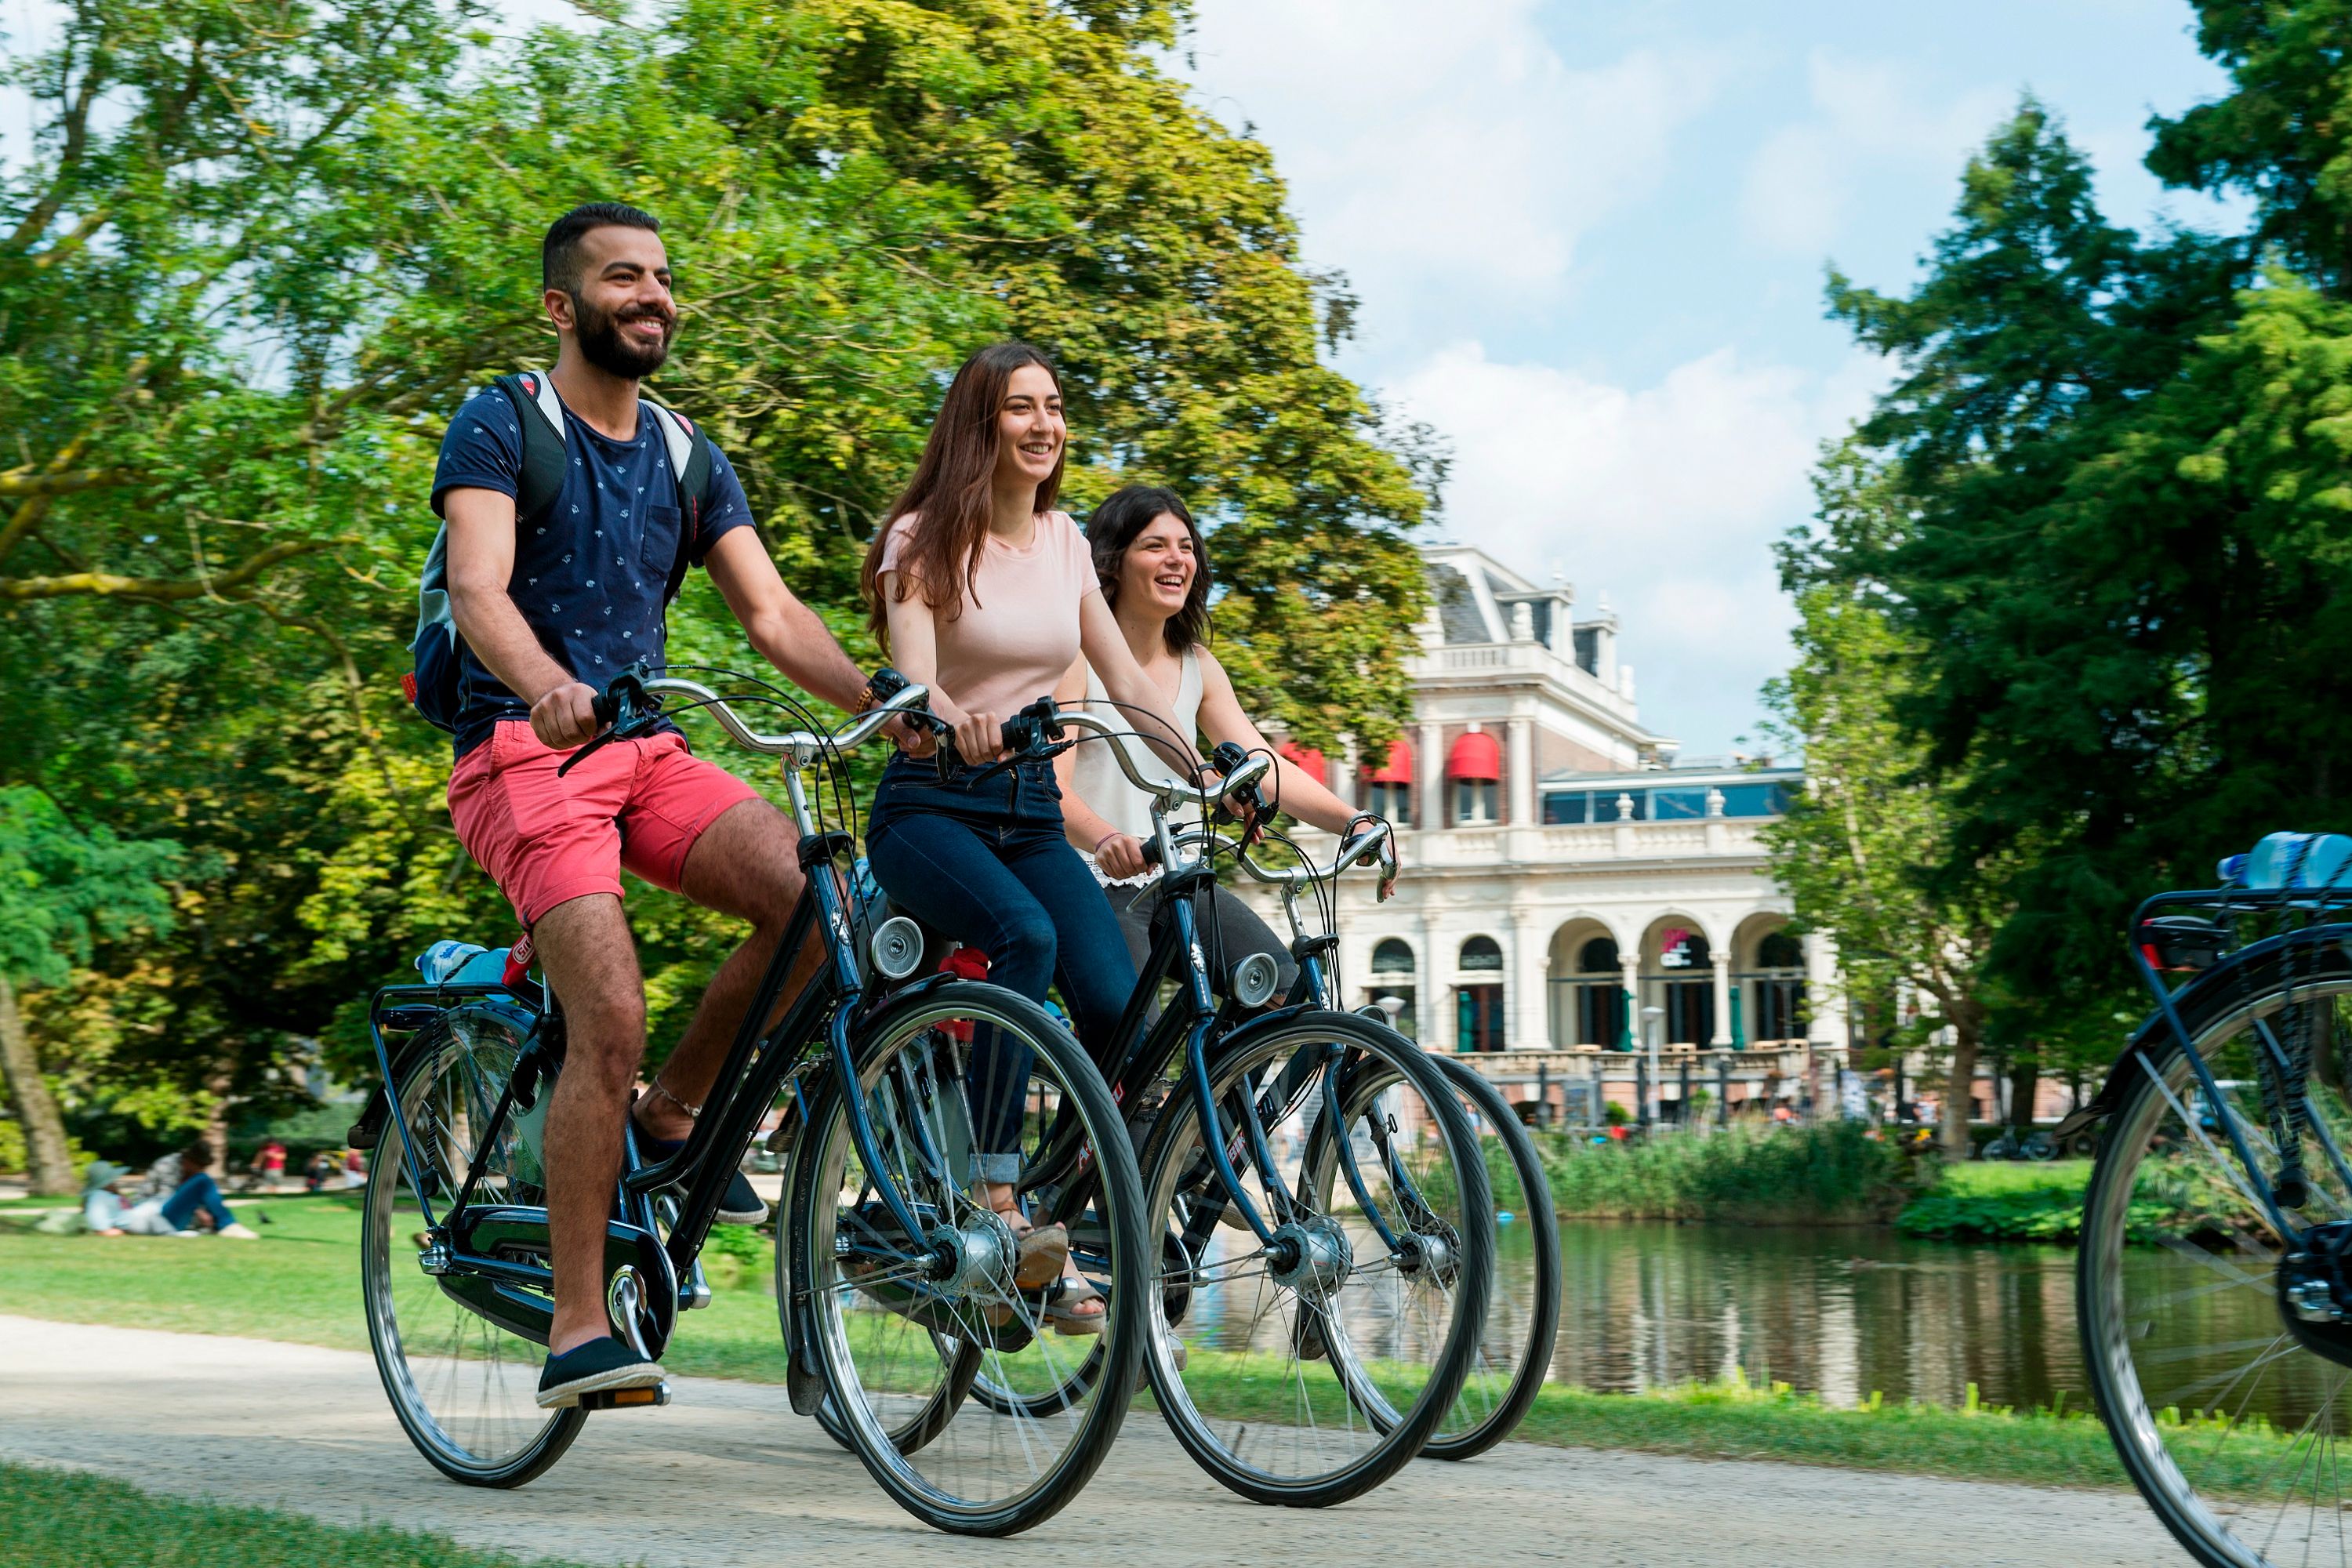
(1239, 933)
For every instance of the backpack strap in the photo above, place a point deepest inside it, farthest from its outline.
(540, 413)
(689, 459)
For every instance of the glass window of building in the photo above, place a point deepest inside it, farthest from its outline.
(1391, 957)
(1565, 806)
(1598, 956)
(1481, 952)
(1393, 801)
(1674, 804)
(1475, 803)
(1755, 799)
(1779, 951)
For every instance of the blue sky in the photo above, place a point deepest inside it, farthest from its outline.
(1589, 243)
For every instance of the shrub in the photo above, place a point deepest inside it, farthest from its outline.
(1832, 1174)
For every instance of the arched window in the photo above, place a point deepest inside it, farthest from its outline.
(1598, 956)
(1779, 951)
(1683, 947)
(1480, 953)
(1393, 957)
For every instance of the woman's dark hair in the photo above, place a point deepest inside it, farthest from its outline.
(952, 492)
(1127, 512)
(195, 1157)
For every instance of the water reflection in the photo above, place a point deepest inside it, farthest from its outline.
(1841, 1313)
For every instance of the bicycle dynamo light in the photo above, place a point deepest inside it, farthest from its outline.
(1252, 980)
(897, 947)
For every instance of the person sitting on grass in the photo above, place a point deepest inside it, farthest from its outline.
(104, 1212)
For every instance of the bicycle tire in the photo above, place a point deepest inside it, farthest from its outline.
(1483, 1415)
(1369, 1459)
(817, 1186)
(512, 1440)
(2187, 1458)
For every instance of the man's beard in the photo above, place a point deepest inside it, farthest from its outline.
(611, 350)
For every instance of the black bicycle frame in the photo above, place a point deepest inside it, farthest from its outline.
(754, 1070)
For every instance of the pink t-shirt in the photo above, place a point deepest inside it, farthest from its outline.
(1016, 631)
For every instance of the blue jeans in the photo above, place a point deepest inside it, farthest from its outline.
(986, 865)
(198, 1192)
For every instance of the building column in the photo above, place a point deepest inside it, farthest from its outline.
(1429, 805)
(1435, 1001)
(1722, 999)
(1824, 997)
(1343, 772)
(1519, 764)
(1530, 961)
(1630, 966)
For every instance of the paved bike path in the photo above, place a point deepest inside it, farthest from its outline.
(728, 1476)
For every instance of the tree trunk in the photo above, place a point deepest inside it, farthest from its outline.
(1957, 1087)
(49, 1161)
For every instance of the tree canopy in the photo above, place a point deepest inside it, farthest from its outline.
(2127, 465)
(255, 256)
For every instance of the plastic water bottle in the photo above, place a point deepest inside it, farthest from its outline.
(2315, 861)
(445, 958)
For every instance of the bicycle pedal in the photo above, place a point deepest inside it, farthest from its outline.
(625, 1398)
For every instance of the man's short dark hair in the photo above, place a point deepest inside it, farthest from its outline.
(559, 255)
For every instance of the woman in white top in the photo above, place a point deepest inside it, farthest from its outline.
(1154, 570)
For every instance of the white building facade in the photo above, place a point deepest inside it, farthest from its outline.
(1572, 897)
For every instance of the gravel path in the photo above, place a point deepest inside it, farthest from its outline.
(728, 1476)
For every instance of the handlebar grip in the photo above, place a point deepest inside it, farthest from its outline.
(1151, 850)
(604, 709)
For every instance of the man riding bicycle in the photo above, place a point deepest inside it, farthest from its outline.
(547, 608)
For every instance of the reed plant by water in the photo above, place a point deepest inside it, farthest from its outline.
(1836, 1174)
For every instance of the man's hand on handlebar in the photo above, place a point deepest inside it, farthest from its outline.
(565, 716)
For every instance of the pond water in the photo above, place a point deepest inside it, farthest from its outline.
(1841, 1313)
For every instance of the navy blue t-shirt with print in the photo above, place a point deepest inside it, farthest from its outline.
(591, 577)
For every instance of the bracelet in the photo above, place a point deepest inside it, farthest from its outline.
(865, 699)
(1096, 851)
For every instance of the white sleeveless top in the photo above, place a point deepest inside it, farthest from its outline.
(1097, 774)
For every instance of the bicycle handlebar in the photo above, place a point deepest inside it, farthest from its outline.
(1040, 725)
(626, 708)
(1351, 852)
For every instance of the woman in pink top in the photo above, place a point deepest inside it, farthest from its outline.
(982, 591)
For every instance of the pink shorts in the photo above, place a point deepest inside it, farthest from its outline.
(547, 840)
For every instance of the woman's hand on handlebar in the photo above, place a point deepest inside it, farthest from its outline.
(979, 737)
(565, 717)
(1121, 854)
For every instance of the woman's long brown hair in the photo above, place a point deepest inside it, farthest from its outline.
(952, 494)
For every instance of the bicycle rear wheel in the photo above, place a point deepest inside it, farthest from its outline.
(2228, 1419)
(901, 1326)
(463, 1388)
(1514, 1348)
(1269, 1361)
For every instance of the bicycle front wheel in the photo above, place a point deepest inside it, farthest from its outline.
(956, 1080)
(463, 1388)
(2227, 1409)
(1307, 1370)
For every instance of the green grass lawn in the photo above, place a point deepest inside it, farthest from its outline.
(63, 1519)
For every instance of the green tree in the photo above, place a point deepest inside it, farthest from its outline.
(235, 325)
(61, 888)
(1864, 850)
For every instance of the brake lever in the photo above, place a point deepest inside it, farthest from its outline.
(624, 711)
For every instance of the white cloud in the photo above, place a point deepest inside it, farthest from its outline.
(1867, 117)
(1442, 149)
(1663, 500)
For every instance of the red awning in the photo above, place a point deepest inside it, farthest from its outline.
(1310, 760)
(1477, 757)
(1397, 769)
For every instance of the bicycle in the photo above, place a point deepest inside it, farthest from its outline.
(1514, 1349)
(880, 1220)
(1394, 1263)
(2219, 1354)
